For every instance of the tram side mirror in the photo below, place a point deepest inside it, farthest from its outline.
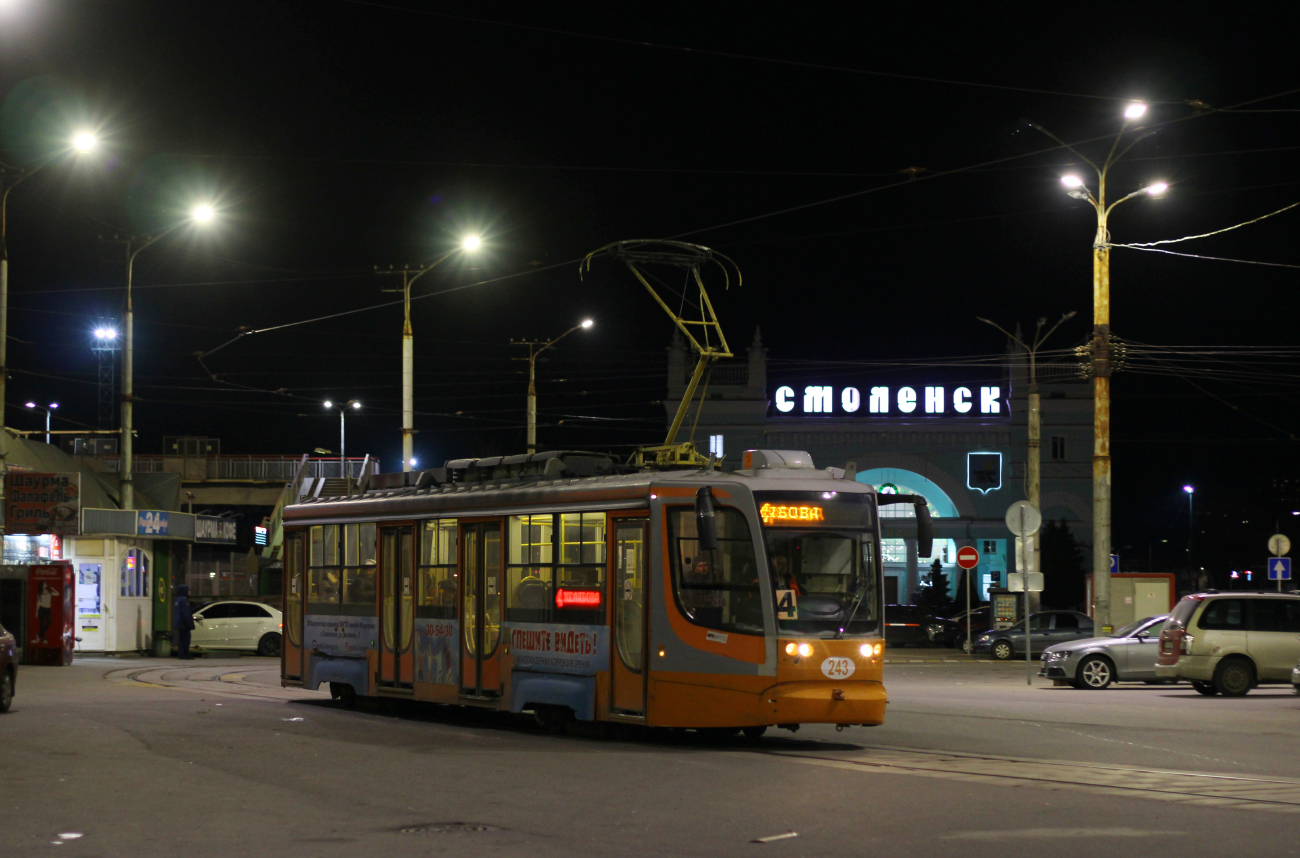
(706, 524)
(924, 529)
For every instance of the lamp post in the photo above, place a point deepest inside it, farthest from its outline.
(200, 214)
(409, 276)
(533, 352)
(1033, 460)
(1191, 491)
(343, 412)
(47, 409)
(10, 177)
(1101, 349)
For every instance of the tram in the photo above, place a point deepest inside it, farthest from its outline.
(572, 586)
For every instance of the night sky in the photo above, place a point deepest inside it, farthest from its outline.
(337, 136)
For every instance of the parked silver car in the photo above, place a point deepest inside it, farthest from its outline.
(1129, 656)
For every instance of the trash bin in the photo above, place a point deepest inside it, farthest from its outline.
(162, 644)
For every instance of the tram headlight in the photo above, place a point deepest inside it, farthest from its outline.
(805, 650)
(791, 649)
(870, 650)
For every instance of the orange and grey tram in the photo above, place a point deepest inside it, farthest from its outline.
(562, 584)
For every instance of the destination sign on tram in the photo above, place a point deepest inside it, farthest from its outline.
(814, 509)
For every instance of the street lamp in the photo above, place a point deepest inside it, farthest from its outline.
(533, 352)
(343, 411)
(1102, 366)
(1191, 491)
(134, 245)
(1033, 463)
(47, 409)
(10, 177)
(469, 243)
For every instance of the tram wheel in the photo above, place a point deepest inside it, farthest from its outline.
(345, 694)
(753, 733)
(553, 719)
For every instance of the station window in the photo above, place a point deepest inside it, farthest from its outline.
(437, 574)
(135, 574)
(1058, 448)
(717, 589)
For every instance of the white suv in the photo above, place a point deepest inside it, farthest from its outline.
(1227, 643)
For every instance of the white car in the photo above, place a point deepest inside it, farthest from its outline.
(238, 625)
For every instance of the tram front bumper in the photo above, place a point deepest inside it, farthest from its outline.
(861, 702)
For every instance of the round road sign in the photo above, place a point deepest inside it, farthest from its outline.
(968, 557)
(1279, 544)
(1023, 518)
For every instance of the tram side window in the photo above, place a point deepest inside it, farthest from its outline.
(530, 570)
(323, 573)
(717, 589)
(357, 577)
(582, 565)
(437, 595)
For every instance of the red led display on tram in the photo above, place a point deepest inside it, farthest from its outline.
(577, 598)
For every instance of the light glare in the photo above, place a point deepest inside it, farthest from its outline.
(1157, 189)
(1072, 181)
(471, 242)
(1188, 489)
(203, 213)
(355, 404)
(84, 141)
(587, 323)
(1136, 110)
(329, 404)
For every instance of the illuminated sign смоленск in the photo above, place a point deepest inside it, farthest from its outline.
(882, 401)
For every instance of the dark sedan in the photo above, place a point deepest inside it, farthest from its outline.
(952, 631)
(1045, 629)
(905, 625)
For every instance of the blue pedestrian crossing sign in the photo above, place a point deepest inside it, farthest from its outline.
(1279, 569)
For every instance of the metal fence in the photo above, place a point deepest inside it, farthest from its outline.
(256, 468)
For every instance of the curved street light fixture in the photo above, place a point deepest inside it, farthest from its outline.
(533, 352)
(201, 214)
(1101, 343)
(11, 176)
(468, 243)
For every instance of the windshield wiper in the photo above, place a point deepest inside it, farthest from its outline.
(857, 603)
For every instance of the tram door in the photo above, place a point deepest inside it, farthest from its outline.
(396, 606)
(480, 611)
(294, 597)
(631, 617)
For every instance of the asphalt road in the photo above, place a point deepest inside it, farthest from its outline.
(153, 757)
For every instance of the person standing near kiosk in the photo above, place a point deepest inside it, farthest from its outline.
(183, 621)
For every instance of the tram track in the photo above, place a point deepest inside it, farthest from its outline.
(1233, 791)
(1275, 794)
(229, 680)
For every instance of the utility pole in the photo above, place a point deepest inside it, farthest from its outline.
(1033, 460)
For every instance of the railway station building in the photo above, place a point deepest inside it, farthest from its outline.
(957, 435)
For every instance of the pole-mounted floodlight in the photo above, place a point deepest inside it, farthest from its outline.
(1136, 110)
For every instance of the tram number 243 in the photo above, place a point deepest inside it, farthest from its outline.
(838, 668)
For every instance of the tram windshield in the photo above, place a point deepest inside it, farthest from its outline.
(824, 582)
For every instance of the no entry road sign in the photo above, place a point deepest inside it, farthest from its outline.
(968, 557)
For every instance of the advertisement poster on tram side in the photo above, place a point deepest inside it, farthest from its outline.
(435, 652)
(336, 635)
(559, 649)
